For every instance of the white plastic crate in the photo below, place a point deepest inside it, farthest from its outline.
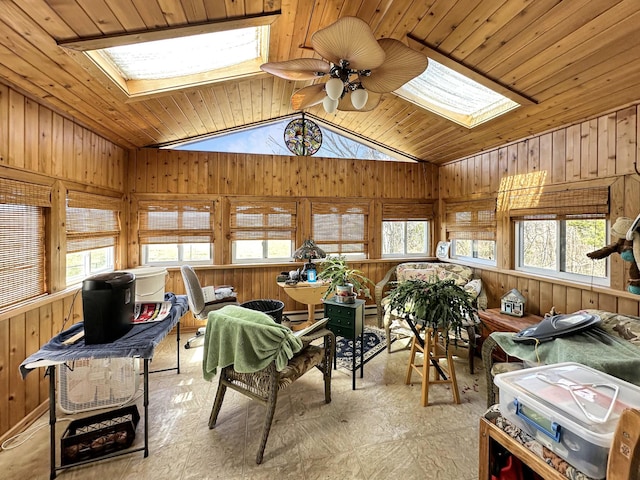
(91, 384)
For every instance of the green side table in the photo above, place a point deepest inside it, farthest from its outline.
(347, 320)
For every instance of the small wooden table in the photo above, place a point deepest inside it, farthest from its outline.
(309, 293)
(490, 436)
(495, 321)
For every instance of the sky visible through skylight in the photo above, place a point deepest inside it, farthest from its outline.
(184, 55)
(269, 140)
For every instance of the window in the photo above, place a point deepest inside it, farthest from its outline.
(556, 229)
(22, 240)
(405, 230)
(471, 228)
(341, 229)
(175, 232)
(93, 230)
(456, 92)
(560, 247)
(167, 59)
(262, 231)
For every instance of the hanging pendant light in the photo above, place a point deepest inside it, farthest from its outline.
(359, 98)
(329, 104)
(334, 88)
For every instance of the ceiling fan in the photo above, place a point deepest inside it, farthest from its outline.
(360, 68)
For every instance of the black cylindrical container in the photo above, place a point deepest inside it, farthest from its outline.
(108, 300)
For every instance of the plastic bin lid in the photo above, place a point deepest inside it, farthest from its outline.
(572, 393)
(142, 272)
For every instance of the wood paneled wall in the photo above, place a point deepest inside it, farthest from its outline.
(183, 172)
(33, 138)
(254, 283)
(599, 151)
(39, 145)
(172, 174)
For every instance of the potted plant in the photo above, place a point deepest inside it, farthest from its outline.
(345, 282)
(438, 304)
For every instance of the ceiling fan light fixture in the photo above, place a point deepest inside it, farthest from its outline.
(329, 104)
(359, 98)
(334, 88)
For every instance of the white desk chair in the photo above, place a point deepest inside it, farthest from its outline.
(204, 300)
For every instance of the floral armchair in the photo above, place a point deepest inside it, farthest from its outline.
(462, 276)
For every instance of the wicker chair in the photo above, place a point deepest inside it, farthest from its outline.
(396, 327)
(265, 384)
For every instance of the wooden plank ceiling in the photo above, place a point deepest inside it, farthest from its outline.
(576, 58)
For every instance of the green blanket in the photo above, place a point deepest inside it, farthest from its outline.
(247, 339)
(594, 348)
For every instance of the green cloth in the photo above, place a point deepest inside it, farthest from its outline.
(247, 339)
(594, 348)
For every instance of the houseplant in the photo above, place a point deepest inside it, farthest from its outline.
(343, 280)
(439, 304)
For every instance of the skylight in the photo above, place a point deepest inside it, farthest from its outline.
(448, 93)
(161, 61)
(191, 55)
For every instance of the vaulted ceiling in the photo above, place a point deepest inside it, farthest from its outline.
(575, 58)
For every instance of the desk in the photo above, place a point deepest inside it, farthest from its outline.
(140, 342)
(307, 293)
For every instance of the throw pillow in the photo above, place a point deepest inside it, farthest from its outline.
(447, 275)
(473, 288)
(426, 274)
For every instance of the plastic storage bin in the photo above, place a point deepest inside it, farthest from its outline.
(150, 282)
(570, 408)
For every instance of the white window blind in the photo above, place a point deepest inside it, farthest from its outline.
(93, 221)
(341, 228)
(22, 240)
(161, 222)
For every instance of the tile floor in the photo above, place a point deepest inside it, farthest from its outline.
(378, 431)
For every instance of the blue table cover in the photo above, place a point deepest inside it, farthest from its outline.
(140, 341)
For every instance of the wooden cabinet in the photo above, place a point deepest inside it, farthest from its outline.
(494, 321)
(347, 320)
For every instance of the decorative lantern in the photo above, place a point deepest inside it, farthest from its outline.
(512, 303)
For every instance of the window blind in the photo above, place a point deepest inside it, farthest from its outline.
(93, 221)
(341, 228)
(532, 204)
(252, 220)
(407, 211)
(22, 240)
(180, 222)
(473, 220)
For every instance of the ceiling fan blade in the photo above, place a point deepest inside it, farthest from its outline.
(297, 69)
(345, 104)
(351, 39)
(402, 65)
(308, 97)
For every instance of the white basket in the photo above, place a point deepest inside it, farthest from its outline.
(91, 384)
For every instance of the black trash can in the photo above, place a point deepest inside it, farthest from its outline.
(273, 308)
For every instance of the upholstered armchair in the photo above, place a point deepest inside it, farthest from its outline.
(395, 326)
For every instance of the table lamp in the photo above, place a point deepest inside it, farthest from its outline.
(308, 251)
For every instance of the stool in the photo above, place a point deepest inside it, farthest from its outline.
(432, 353)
